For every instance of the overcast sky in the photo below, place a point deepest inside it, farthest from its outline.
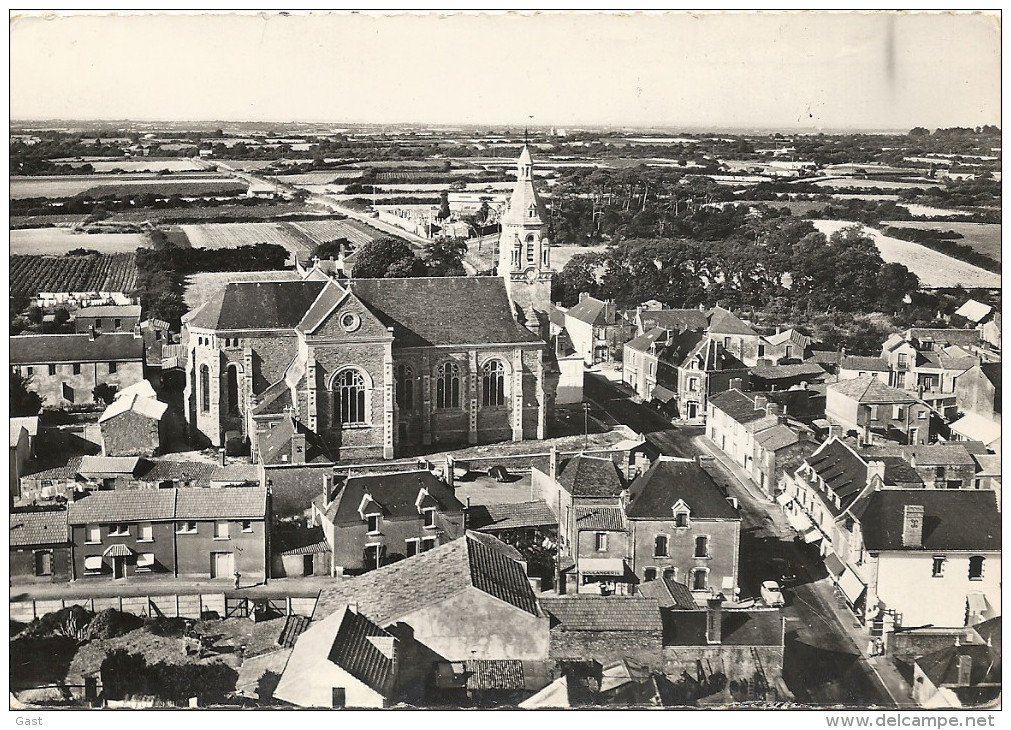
(782, 71)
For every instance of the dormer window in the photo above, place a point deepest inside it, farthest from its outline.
(373, 524)
(682, 515)
(429, 516)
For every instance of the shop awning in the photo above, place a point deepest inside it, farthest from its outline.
(119, 550)
(602, 566)
(834, 565)
(977, 602)
(799, 521)
(813, 535)
(852, 587)
(663, 395)
(784, 498)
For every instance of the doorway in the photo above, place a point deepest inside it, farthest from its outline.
(691, 410)
(119, 567)
(222, 565)
(306, 565)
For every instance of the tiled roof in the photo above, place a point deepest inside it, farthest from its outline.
(824, 357)
(148, 407)
(110, 465)
(738, 628)
(859, 362)
(941, 666)
(675, 319)
(590, 476)
(643, 342)
(276, 443)
(599, 518)
(953, 519)
(591, 311)
(842, 469)
(777, 437)
(450, 310)
(67, 471)
(654, 494)
(222, 503)
(356, 649)
(513, 515)
(40, 349)
(724, 322)
(668, 593)
(39, 527)
(195, 473)
(810, 370)
(397, 590)
(603, 613)
(738, 406)
(257, 305)
(31, 424)
(949, 336)
(143, 505)
(484, 674)
(16, 429)
(870, 390)
(115, 310)
(395, 494)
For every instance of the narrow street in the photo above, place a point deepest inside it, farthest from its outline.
(822, 664)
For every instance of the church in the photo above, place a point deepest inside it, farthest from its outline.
(350, 369)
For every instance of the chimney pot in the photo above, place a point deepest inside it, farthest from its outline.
(912, 526)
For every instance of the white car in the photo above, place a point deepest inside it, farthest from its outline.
(771, 594)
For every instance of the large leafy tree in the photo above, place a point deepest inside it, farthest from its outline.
(387, 258)
(24, 402)
(445, 256)
(580, 274)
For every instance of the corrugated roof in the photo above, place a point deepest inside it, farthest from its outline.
(871, 390)
(953, 519)
(600, 518)
(42, 349)
(509, 516)
(590, 476)
(399, 589)
(603, 613)
(38, 527)
(654, 494)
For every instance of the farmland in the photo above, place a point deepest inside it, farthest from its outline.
(300, 238)
(856, 182)
(115, 272)
(934, 269)
(58, 241)
(193, 187)
(201, 287)
(67, 186)
(981, 237)
(148, 164)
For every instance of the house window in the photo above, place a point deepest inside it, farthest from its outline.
(648, 575)
(903, 360)
(761, 350)
(145, 532)
(93, 565)
(700, 579)
(873, 412)
(77, 368)
(693, 384)
(98, 323)
(52, 370)
(186, 527)
(493, 383)
(350, 397)
(118, 324)
(789, 351)
(157, 335)
(702, 546)
(681, 519)
(601, 542)
(221, 529)
(429, 516)
(670, 573)
(411, 547)
(205, 388)
(447, 386)
(898, 413)
(937, 568)
(938, 472)
(660, 547)
(145, 562)
(247, 525)
(405, 387)
(373, 524)
(427, 544)
(29, 371)
(921, 415)
(112, 368)
(976, 567)
(43, 562)
(119, 530)
(93, 535)
(726, 343)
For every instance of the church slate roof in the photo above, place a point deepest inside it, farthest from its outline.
(258, 305)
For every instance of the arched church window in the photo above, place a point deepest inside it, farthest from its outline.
(349, 397)
(447, 386)
(493, 383)
(531, 256)
(405, 387)
(232, 389)
(532, 212)
(205, 388)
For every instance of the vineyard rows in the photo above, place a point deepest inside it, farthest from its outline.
(30, 275)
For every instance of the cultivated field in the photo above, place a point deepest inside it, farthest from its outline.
(982, 237)
(934, 269)
(147, 164)
(856, 182)
(201, 287)
(233, 235)
(67, 186)
(30, 275)
(58, 241)
(356, 232)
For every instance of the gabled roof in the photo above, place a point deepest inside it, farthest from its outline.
(509, 516)
(257, 305)
(113, 310)
(842, 469)
(450, 310)
(991, 371)
(112, 465)
(556, 316)
(860, 362)
(643, 342)
(222, 503)
(142, 388)
(31, 424)
(604, 518)
(676, 320)
(603, 613)
(738, 406)
(724, 322)
(148, 407)
(941, 666)
(975, 311)
(809, 370)
(590, 476)
(395, 495)
(16, 430)
(141, 505)
(328, 299)
(592, 311)
(953, 519)
(777, 437)
(654, 494)
(38, 527)
(669, 593)
(977, 428)
(790, 335)
(277, 442)
(398, 590)
(41, 349)
(870, 390)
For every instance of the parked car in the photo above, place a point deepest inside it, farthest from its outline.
(783, 569)
(771, 594)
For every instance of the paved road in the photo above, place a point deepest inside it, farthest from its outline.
(822, 665)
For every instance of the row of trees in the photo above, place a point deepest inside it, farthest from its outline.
(388, 258)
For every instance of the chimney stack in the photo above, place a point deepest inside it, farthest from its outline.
(964, 670)
(714, 620)
(553, 464)
(773, 409)
(298, 448)
(222, 452)
(583, 295)
(91, 332)
(876, 469)
(761, 402)
(736, 383)
(834, 430)
(912, 526)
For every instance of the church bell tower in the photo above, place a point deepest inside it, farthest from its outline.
(524, 252)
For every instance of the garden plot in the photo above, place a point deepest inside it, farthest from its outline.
(233, 235)
(983, 238)
(58, 241)
(934, 269)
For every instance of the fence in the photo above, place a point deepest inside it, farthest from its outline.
(193, 605)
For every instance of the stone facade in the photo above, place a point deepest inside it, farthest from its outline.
(131, 434)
